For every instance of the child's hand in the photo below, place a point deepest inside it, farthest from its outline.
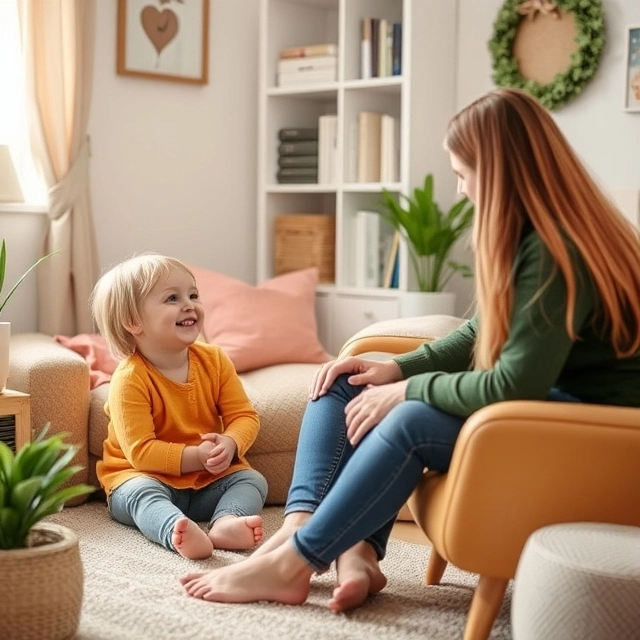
(221, 452)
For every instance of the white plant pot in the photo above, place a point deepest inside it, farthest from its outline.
(5, 338)
(427, 303)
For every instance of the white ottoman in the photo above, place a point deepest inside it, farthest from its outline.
(578, 581)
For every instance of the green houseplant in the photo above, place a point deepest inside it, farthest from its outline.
(3, 264)
(430, 233)
(42, 575)
(31, 486)
(5, 327)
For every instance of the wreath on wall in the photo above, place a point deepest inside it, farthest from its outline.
(588, 16)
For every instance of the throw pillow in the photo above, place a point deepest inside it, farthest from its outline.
(257, 326)
(93, 348)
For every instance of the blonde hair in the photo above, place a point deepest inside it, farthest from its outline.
(117, 298)
(528, 176)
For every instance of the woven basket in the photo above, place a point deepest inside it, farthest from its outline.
(304, 240)
(41, 587)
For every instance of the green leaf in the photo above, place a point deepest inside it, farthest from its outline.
(31, 485)
(3, 262)
(429, 232)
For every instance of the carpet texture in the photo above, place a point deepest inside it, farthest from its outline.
(132, 592)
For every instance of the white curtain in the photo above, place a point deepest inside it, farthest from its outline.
(58, 42)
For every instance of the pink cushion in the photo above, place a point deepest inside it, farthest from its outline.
(93, 348)
(257, 326)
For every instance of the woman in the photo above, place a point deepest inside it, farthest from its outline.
(558, 317)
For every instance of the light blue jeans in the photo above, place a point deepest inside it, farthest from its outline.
(154, 507)
(355, 494)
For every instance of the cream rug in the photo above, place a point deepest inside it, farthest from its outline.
(132, 592)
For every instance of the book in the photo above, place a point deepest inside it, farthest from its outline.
(389, 149)
(306, 63)
(375, 34)
(298, 133)
(298, 148)
(367, 249)
(298, 161)
(365, 49)
(369, 146)
(382, 47)
(324, 49)
(327, 148)
(326, 74)
(396, 49)
(305, 179)
(390, 261)
(292, 172)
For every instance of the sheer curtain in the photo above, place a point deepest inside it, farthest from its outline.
(58, 43)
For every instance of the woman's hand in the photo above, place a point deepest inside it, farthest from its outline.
(363, 372)
(368, 408)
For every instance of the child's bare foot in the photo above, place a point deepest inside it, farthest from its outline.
(359, 576)
(291, 524)
(278, 576)
(190, 541)
(231, 532)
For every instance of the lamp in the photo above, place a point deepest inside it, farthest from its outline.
(10, 190)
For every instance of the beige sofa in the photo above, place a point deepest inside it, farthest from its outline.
(57, 379)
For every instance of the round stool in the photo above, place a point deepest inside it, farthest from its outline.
(578, 581)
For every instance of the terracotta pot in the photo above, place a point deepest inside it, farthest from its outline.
(42, 586)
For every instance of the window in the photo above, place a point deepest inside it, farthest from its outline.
(13, 123)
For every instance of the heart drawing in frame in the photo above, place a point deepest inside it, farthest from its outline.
(161, 27)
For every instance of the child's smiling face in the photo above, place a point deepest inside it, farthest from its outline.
(172, 314)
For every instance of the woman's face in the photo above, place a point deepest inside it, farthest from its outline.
(466, 177)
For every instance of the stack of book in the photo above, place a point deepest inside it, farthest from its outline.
(297, 155)
(381, 48)
(307, 64)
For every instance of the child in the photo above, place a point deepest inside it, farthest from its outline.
(180, 422)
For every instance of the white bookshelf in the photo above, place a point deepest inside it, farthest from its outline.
(422, 98)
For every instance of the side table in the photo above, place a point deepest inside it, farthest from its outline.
(15, 418)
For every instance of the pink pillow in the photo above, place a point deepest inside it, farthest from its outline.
(93, 348)
(271, 323)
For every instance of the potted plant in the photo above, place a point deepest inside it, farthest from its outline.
(5, 327)
(430, 234)
(42, 576)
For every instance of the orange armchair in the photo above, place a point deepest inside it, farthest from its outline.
(517, 466)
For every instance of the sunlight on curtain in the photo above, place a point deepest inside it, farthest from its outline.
(13, 120)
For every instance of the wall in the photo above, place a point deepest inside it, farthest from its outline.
(173, 166)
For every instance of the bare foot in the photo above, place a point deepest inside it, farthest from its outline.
(359, 576)
(190, 541)
(278, 576)
(291, 524)
(231, 532)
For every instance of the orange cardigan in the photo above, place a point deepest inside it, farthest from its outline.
(152, 419)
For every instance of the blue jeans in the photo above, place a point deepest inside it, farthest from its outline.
(355, 494)
(154, 507)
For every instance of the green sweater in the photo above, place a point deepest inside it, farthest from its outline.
(538, 353)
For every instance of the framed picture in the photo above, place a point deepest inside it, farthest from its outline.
(164, 39)
(632, 70)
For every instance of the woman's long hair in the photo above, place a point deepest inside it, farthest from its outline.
(528, 174)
